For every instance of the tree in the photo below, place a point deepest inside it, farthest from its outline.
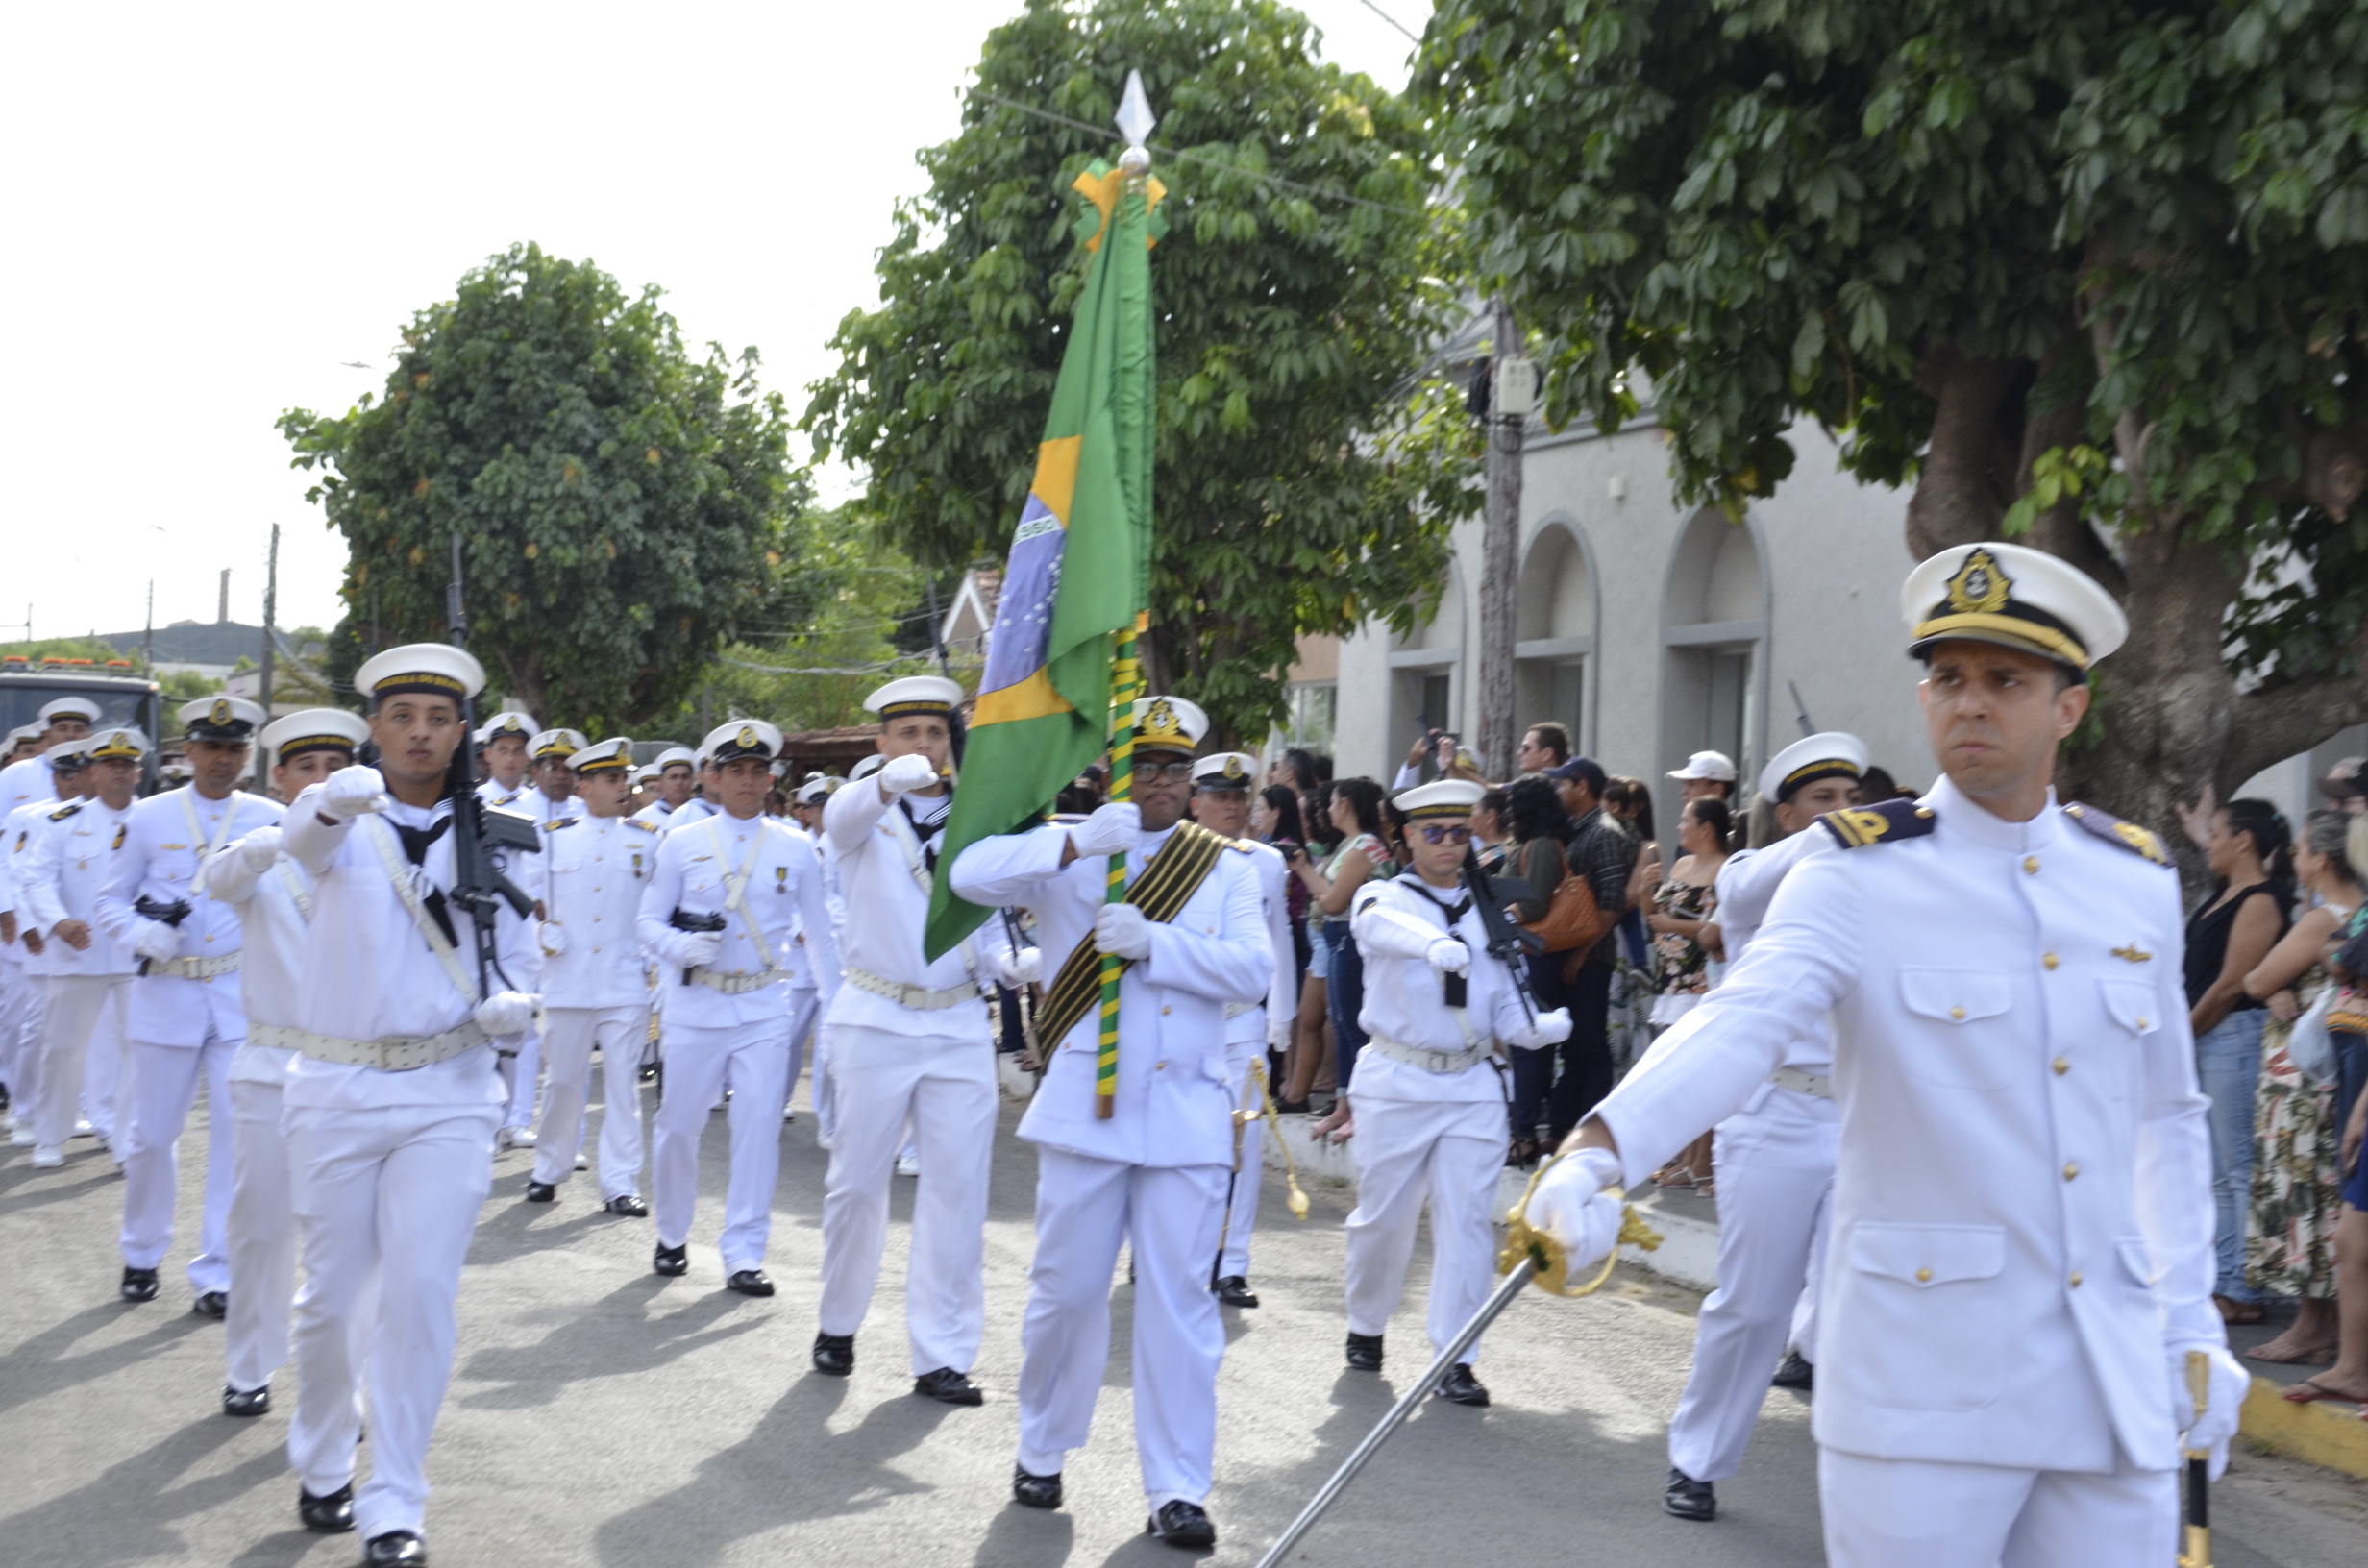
(623, 508)
(1298, 487)
(2091, 274)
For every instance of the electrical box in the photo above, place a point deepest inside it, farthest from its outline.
(1515, 396)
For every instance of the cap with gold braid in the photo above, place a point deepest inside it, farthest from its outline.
(2013, 596)
(110, 745)
(221, 719)
(313, 729)
(69, 707)
(1833, 754)
(557, 745)
(1169, 724)
(614, 755)
(741, 738)
(915, 695)
(427, 668)
(507, 722)
(1225, 771)
(1447, 797)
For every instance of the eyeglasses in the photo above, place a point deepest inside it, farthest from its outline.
(1173, 773)
(1458, 833)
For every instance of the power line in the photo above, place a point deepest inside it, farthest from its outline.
(1391, 20)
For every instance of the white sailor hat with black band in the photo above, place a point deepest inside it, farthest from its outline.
(2013, 596)
(741, 738)
(68, 756)
(815, 791)
(1169, 724)
(19, 736)
(1444, 798)
(120, 744)
(69, 707)
(866, 768)
(1225, 771)
(613, 755)
(672, 755)
(509, 721)
(427, 668)
(915, 695)
(557, 745)
(1833, 754)
(229, 718)
(312, 729)
(647, 774)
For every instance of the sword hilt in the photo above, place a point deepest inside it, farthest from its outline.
(1550, 1258)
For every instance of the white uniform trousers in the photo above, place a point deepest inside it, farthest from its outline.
(756, 1056)
(164, 1087)
(569, 1036)
(804, 1008)
(1451, 1151)
(386, 1201)
(108, 1071)
(521, 1076)
(1242, 1217)
(1880, 1513)
(1775, 1170)
(73, 1008)
(946, 1088)
(1168, 1218)
(16, 996)
(826, 1091)
(24, 1078)
(261, 1238)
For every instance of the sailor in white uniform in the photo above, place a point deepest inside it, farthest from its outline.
(723, 916)
(911, 1043)
(27, 781)
(1431, 1085)
(549, 797)
(390, 1102)
(1221, 792)
(678, 776)
(596, 995)
(502, 742)
(1774, 1158)
(272, 896)
(552, 794)
(182, 1016)
(1146, 1167)
(2022, 1236)
(20, 1003)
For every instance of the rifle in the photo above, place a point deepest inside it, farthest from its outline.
(479, 883)
(172, 915)
(1507, 943)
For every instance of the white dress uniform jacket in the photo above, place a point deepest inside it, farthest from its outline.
(665, 818)
(2022, 1216)
(1251, 1027)
(68, 856)
(782, 899)
(589, 879)
(27, 783)
(877, 855)
(169, 854)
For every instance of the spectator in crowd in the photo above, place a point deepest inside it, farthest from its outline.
(1706, 773)
(1684, 907)
(1543, 747)
(1629, 803)
(1876, 784)
(1314, 1079)
(1491, 836)
(1538, 825)
(2244, 843)
(1275, 821)
(1601, 853)
(2298, 1134)
(2346, 786)
(1078, 799)
(1364, 852)
(2347, 1019)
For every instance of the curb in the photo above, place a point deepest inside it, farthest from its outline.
(2323, 1432)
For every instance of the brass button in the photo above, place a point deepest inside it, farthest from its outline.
(2031, 864)
(2050, 960)
(1957, 1013)
(2076, 1278)
(2141, 1022)
(1159, 1067)
(1165, 1011)
(2071, 1169)
(2062, 1067)
(1923, 1276)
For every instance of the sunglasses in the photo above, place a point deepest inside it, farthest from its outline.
(1173, 773)
(1458, 833)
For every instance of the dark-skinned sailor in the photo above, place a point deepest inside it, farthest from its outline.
(2021, 1259)
(1151, 1172)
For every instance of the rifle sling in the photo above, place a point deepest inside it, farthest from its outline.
(1169, 880)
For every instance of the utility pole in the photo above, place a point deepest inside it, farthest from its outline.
(271, 609)
(1512, 392)
(148, 635)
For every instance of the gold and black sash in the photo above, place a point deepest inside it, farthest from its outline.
(1169, 880)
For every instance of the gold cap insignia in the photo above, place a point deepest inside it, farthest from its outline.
(221, 714)
(748, 738)
(1233, 767)
(1981, 586)
(1159, 719)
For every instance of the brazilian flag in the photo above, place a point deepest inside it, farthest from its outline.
(1081, 558)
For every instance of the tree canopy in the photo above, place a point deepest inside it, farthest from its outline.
(623, 506)
(2093, 274)
(1304, 478)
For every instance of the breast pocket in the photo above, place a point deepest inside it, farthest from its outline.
(1969, 1040)
(2135, 1012)
(1920, 1313)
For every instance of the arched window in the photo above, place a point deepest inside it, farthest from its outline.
(1426, 670)
(1713, 634)
(1555, 632)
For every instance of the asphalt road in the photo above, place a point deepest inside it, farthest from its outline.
(599, 1415)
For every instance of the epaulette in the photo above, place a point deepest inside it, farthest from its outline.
(63, 812)
(559, 823)
(1243, 846)
(646, 828)
(1885, 822)
(2138, 841)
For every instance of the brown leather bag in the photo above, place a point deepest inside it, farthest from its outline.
(1572, 922)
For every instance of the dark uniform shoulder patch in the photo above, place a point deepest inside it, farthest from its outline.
(1885, 822)
(63, 812)
(2138, 841)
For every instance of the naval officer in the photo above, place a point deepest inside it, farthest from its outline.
(1774, 1158)
(62, 718)
(1150, 1171)
(2022, 1235)
(272, 896)
(390, 1102)
(677, 776)
(182, 1016)
(553, 775)
(501, 746)
(20, 993)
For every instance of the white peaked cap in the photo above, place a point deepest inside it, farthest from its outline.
(437, 668)
(2015, 597)
(915, 694)
(1446, 798)
(1833, 754)
(312, 729)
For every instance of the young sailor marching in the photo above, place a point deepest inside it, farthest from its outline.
(677, 775)
(909, 1044)
(183, 1017)
(552, 795)
(21, 934)
(391, 1103)
(1220, 804)
(1147, 1167)
(1430, 1089)
(723, 916)
(1774, 1158)
(272, 896)
(589, 879)
(502, 741)
(2022, 1233)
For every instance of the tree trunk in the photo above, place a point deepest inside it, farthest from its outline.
(1501, 570)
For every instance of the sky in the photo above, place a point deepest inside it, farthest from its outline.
(221, 211)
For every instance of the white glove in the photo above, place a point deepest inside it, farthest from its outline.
(1016, 968)
(260, 849)
(1278, 1035)
(156, 939)
(1112, 830)
(552, 937)
(1571, 1205)
(350, 792)
(505, 1011)
(2222, 1401)
(699, 947)
(1546, 1029)
(911, 771)
(1450, 956)
(1123, 930)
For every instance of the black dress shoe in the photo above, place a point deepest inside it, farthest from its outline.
(396, 1549)
(1795, 1373)
(1233, 1290)
(947, 1386)
(541, 1192)
(1031, 1491)
(213, 1304)
(245, 1401)
(628, 1204)
(672, 1259)
(1183, 1524)
(1460, 1387)
(331, 1516)
(1689, 1498)
(139, 1283)
(1364, 1352)
(834, 1356)
(750, 1282)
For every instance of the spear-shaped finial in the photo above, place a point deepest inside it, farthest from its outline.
(1135, 121)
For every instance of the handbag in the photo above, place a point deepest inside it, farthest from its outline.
(2311, 1045)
